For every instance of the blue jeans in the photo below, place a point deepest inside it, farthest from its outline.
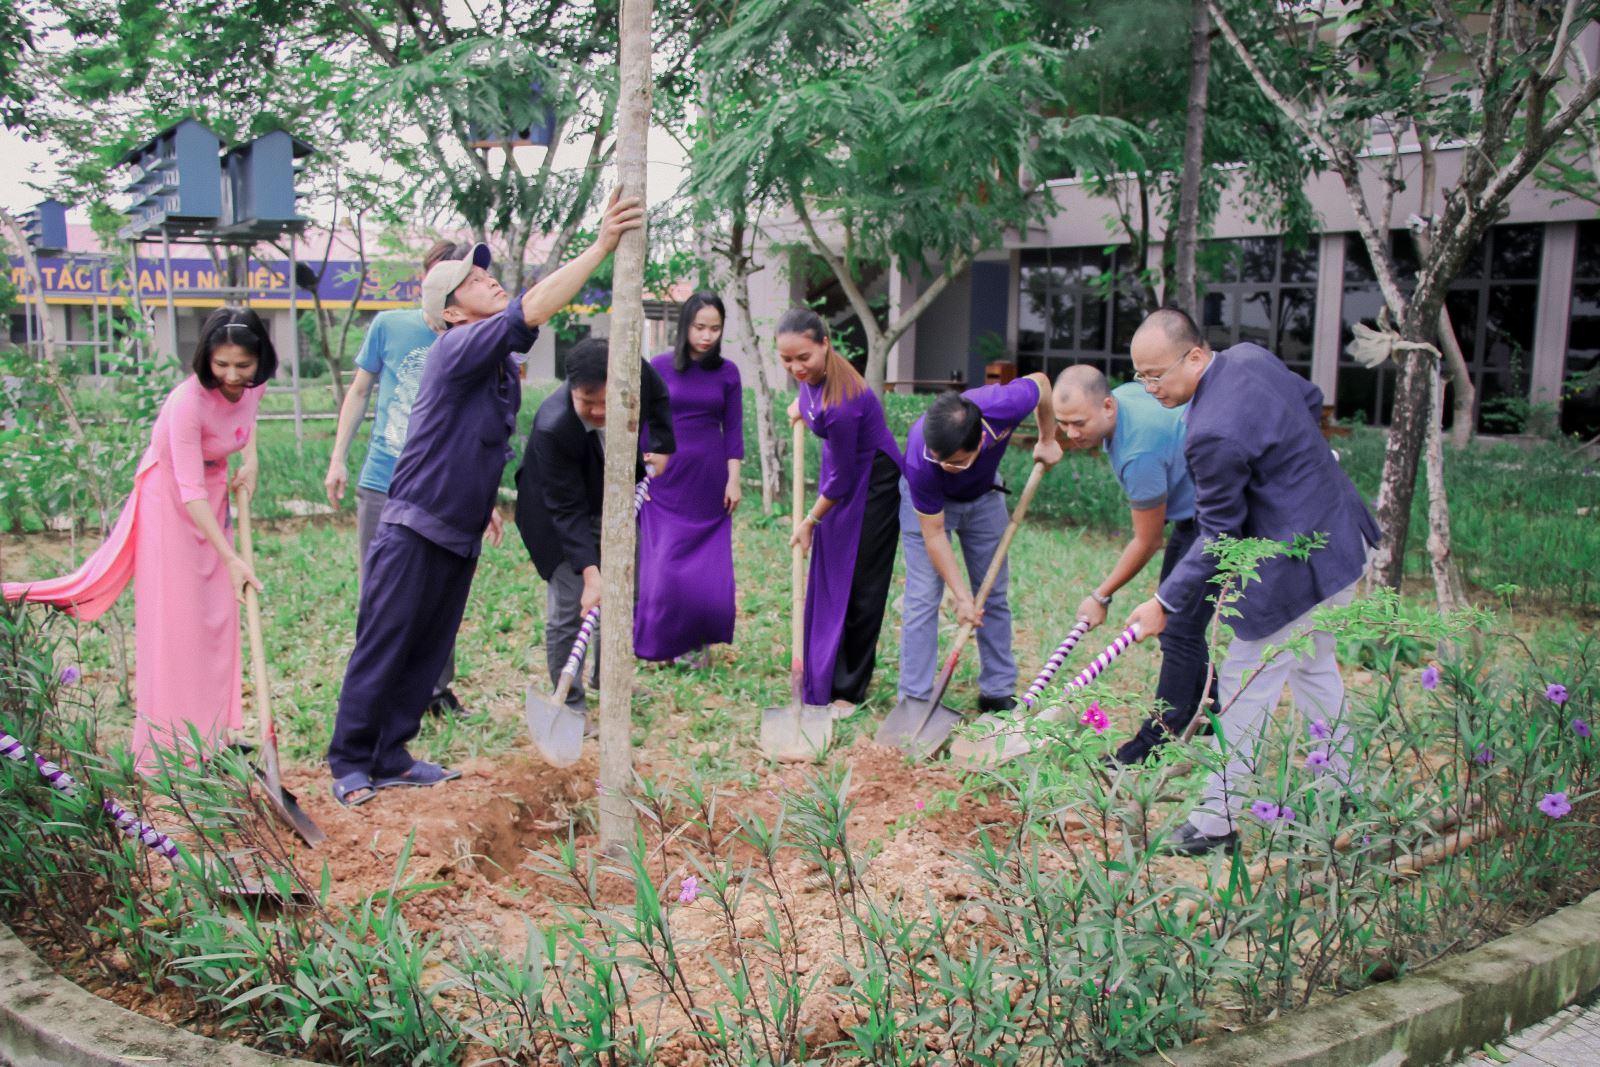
(1183, 660)
(978, 525)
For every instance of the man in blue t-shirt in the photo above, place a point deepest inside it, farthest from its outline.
(952, 485)
(1144, 442)
(393, 355)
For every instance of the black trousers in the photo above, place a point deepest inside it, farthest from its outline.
(412, 601)
(869, 583)
(1183, 660)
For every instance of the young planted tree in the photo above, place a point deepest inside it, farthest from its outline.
(1487, 76)
(619, 532)
(895, 136)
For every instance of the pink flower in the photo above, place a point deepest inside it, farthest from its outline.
(689, 889)
(1094, 718)
(919, 804)
(599, 788)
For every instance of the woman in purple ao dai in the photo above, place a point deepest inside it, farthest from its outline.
(686, 587)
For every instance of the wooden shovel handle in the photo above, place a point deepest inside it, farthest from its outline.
(797, 560)
(258, 651)
(1018, 513)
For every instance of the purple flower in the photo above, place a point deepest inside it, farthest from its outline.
(1317, 761)
(689, 889)
(1581, 728)
(1555, 805)
(1094, 718)
(1319, 730)
(1430, 677)
(1484, 756)
(70, 676)
(1286, 813)
(1265, 810)
(599, 788)
(1556, 693)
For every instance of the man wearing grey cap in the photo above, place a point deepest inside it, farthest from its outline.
(441, 500)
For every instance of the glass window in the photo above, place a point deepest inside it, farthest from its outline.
(1492, 317)
(1073, 307)
(1242, 297)
(1299, 264)
(1580, 405)
(1297, 312)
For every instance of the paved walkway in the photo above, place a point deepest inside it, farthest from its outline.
(1570, 1038)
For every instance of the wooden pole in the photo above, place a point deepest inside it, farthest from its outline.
(618, 535)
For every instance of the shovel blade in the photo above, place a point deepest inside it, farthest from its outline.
(919, 726)
(556, 729)
(991, 741)
(796, 733)
(286, 807)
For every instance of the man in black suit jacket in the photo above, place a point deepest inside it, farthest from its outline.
(1261, 468)
(561, 486)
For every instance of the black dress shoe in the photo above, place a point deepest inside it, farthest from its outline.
(988, 705)
(447, 703)
(1191, 842)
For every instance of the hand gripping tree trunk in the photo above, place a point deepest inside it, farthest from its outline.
(619, 531)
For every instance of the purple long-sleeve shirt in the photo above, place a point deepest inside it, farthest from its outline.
(447, 476)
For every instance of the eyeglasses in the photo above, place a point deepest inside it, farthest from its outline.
(1148, 380)
(945, 465)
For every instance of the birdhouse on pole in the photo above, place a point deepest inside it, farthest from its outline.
(540, 133)
(258, 186)
(176, 182)
(45, 226)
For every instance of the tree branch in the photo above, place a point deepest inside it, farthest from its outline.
(852, 291)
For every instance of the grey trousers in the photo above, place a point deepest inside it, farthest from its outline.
(563, 616)
(369, 506)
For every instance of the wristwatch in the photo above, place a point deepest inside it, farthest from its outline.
(1103, 601)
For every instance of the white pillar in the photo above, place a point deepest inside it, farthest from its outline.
(903, 292)
(1554, 312)
(1327, 321)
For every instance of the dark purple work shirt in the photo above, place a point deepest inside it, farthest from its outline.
(447, 476)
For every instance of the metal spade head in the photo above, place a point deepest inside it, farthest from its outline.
(557, 729)
(796, 733)
(919, 726)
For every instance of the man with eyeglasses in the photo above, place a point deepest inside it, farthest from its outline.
(1261, 469)
(952, 485)
(1144, 442)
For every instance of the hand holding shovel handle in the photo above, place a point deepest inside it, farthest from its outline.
(143, 832)
(1053, 664)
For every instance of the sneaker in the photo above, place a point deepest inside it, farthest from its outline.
(447, 703)
(988, 705)
(1189, 841)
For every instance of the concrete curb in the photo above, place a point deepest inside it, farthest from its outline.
(1432, 1017)
(46, 1021)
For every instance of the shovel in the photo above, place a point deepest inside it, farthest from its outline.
(800, 732)
(556, 729)
(280, 800)
(981, 740)
(921, 727)
(1010, 740)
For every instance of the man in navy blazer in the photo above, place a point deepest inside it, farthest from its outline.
(1261, 468)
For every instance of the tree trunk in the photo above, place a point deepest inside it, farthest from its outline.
(1464, 401)
(1446, 579)
(619, 531)
(768, 441)
(1194, 137)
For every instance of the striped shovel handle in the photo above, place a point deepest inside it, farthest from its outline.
(592, 619)
(1116, 648)
(152, 838)
(1053, 664)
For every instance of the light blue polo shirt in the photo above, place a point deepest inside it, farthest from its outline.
(394, 351)
(1146, 453)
